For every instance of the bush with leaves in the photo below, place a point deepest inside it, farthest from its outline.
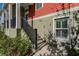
(14, 46)
(67, 47)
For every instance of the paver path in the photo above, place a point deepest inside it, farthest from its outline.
(46, 51)
(42, 52)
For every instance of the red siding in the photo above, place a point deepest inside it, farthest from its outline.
(49, 8)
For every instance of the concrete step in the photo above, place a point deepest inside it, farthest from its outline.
(40, 45)
(39, 48)
(40, 41)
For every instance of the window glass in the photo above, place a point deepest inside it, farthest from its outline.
(13, 22)
(58, 33)
(61, 27)
(38, 5)
(58, 24)
(64, 33)
(64, 24)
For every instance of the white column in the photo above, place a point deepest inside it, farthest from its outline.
(18, 17)
(10, 15)
(2, 18)
(5, 19)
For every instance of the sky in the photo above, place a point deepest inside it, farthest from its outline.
(0, 9)
(1, 5)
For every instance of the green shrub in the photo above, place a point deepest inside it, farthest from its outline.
(14, 46)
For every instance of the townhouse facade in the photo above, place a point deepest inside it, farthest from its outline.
(57, 18)
(38, 20)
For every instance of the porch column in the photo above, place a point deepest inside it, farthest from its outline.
(10, 15)
(2, 18)
(18, 17)
(5, 19)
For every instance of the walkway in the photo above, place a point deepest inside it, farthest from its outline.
(51, 51)
(43, 52)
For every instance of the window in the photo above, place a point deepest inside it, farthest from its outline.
(14, 8)
(61, 27)
(13, 22)
(38, 5)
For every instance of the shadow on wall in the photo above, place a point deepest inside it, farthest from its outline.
(32, 33)
(37, 41)
(57, 48)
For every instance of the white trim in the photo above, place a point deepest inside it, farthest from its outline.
(54, 28)
(18, 16)
(10, 14)
(56, 13)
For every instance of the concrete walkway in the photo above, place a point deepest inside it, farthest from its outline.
(43, 52)
(47, 51)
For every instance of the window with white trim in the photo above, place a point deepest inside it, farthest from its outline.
(38, 6)
(61, 27)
